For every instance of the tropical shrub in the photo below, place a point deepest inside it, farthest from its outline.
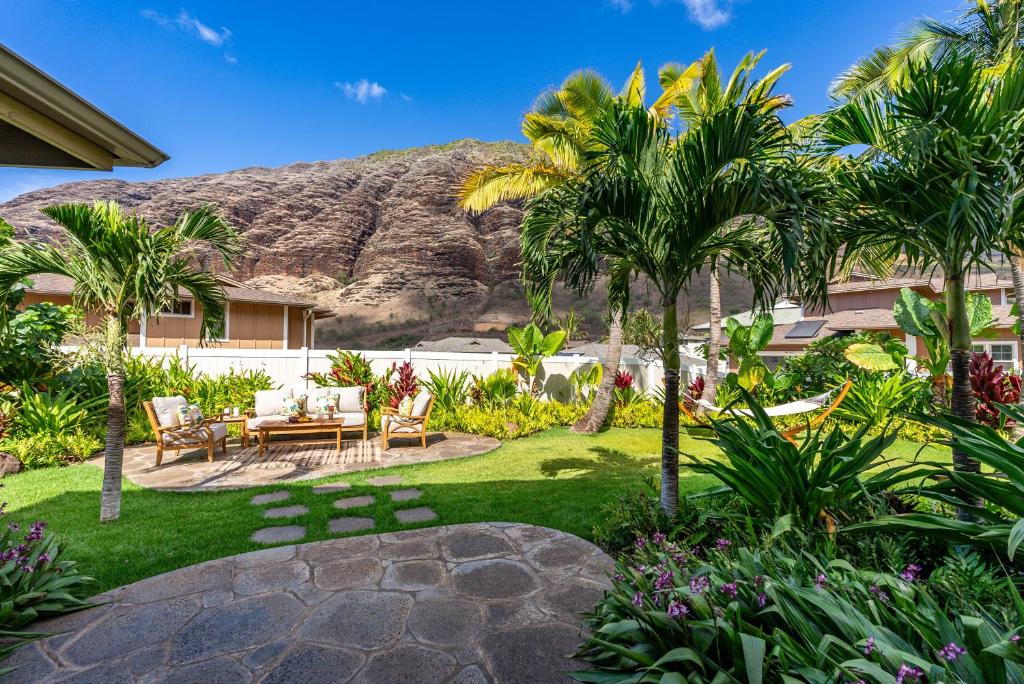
(401, 382)
(35, 583)
(824, 364)
(875, 398)
(694, 391)
(816, 481)
(624, 392)
(638, 514)
(497, 389)
(43, 449)
(56, 412)
(641, 414)
(30, 342)
(450, 388)
(744, 343)
(995, 505)
(753, 615)
(531, 347)
(584, 381)
(992, 386)
(352, 369)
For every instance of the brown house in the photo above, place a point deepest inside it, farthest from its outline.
(865, 304)
(255, 319)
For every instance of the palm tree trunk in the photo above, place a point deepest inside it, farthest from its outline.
(670, 426)
(1017, 274)
(714, 333)
(597, 414)
(113, 460)
(962, 397)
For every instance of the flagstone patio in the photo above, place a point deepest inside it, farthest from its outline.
(483, 602)
(288, 461)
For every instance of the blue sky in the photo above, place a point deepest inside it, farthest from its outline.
(224, 85)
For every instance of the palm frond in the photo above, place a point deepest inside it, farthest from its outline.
(490, 185)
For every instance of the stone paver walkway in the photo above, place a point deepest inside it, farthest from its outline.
(467, 603)
(287, 462)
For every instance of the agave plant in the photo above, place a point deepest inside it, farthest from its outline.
(450, 388)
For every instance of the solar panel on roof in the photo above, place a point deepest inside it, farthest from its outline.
(805, 329)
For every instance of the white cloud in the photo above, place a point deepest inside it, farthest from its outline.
(709, 14)
(362, 91)
(194, 27)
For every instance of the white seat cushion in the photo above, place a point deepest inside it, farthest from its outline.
(269, 402)
(352, 417)
(350, 399)
(220, 431)
(420, 403)
(166, 409)
(254, 423)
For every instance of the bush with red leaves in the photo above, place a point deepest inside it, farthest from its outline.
(694, 392)
(623, 380)
(403, 383)
(992, 385)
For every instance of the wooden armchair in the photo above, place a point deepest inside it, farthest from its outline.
(393, 425)
(209, 433)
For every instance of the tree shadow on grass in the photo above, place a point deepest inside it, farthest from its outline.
(609, 463)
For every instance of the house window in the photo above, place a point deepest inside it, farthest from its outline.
(179, 309)
(1002, 352)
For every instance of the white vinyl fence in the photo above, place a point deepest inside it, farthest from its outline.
(288, 366)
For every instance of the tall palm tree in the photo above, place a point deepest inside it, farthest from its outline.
(989, 31)
(659, 206)
(559, 129)
(936, 184)
(706, 96)
(124, 271)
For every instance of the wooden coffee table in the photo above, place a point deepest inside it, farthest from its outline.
(311, 426)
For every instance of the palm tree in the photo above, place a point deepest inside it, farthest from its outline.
(706, 96)
(935, 184)
(991, 33)
(124, 271)
(559, 129)
(659, 206)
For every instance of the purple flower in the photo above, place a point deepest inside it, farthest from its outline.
(679, 558)
(14, 527)
(907, 673)
(880, 593)
(820, 581)
(640, 542)
(911, 573)
(619, 577)
(638, 598)
(677, 610)
(722, 544)
(729, 589)
(758, 580)
(951, 652)
(869, 646)
(641, 569)
(1015, 640)
(664, 581)
(698, 585)
(659, 538)
(44, 558)
(762, 600)
(695, 551)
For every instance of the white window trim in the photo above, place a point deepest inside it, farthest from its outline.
(192, 309)
(285, 332)
(986, 345)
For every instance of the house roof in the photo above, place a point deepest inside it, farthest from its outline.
(784, 311)
(975, 281)
(44, 124)
(465, 345)
(51, 283)
(865, 319)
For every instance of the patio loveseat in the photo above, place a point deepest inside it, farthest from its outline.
(349, 404)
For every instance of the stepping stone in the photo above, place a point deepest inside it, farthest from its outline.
(285, 512)
(272, 497)
(276, 535)
(413, 515)
(354, 501)
(406, 494)
(332, 487)
(350, 524)
(385, 480)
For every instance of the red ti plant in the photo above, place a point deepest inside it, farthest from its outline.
(624, 393)
(992, 385)
(403, 383)
(694, 392)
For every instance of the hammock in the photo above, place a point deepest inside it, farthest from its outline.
(815, 403)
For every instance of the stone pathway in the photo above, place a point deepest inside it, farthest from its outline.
(287, 461)
(485, 602)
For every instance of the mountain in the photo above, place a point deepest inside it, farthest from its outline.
(378, 239)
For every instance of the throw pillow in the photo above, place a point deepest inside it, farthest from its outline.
(405, 407)
(184, 415)
(290, 407)
(197, 413)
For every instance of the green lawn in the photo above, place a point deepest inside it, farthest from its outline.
(553, 479)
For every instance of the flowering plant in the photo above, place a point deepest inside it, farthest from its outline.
(726, 612)
(34, 582)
